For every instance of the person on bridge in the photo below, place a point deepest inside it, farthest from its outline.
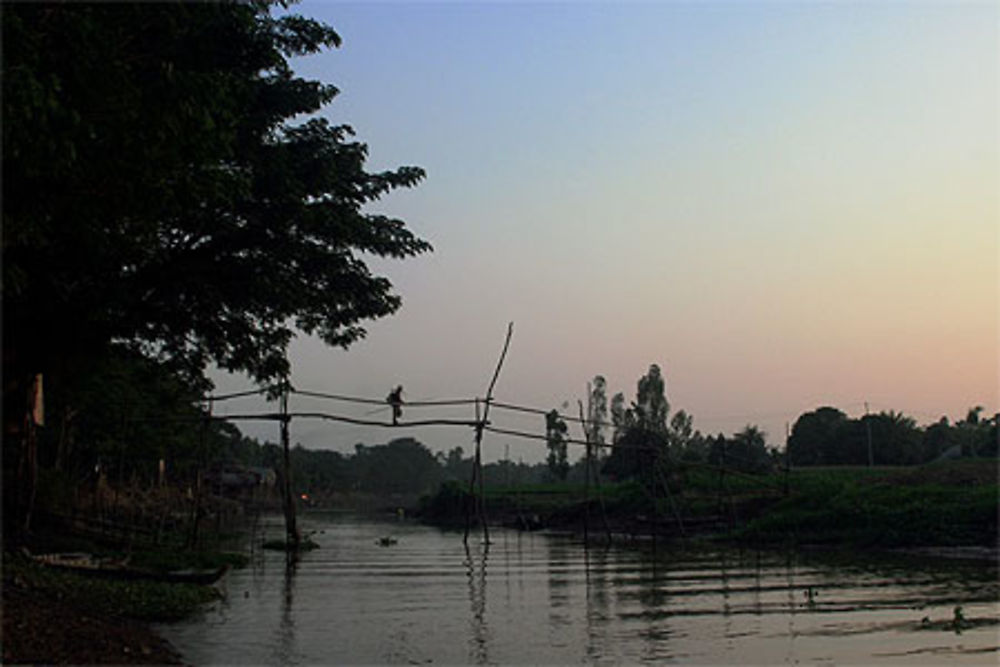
(395, 399)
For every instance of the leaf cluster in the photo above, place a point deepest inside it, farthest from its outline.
(162, 191)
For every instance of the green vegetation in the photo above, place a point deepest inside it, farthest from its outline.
(826, 436)
(139, 599)
(947, 504)
(943, 504)
(171, 199)
(158, 558)
(242, 215)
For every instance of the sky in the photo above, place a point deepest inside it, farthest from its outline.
(784, 205)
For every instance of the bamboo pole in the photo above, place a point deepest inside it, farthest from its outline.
(586, 475)
(292, 536)
(481, 423)
(470, 502)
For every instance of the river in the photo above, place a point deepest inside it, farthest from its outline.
(533, 598)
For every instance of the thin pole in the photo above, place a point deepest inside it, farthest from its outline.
(481, 504)
(659, 464)
(470, 501)
(868, 429)
(480, 425)
(291, 529)
(586, 476)
(506, 464)
(788, 459)
(198, 481)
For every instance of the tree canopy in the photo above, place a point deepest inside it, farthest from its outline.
(168, 189)
(641, 431)
(555, 439)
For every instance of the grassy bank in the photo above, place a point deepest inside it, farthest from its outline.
(943, 504)
(143, 600)
(55, 616)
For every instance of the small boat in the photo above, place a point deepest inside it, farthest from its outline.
(386, 541)
(114, 568)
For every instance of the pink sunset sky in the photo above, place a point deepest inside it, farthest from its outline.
(784, 205)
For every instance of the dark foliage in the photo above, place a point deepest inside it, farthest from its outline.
(158, 192)
(826, 436)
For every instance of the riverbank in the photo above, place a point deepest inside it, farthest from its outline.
(39, 628)
(949, 504)
(52, 616)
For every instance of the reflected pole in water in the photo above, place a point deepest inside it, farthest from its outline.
(285, 646)
(477, 605)
(790, 583)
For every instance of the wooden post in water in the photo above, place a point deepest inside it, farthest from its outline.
(670, 496)
(469, 498)
(586, 474)
(196, 510)
(481, 423)
(474, 498)
(292, 536)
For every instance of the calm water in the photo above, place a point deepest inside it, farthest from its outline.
(533, 598)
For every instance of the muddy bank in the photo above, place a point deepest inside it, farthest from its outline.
(40, 628)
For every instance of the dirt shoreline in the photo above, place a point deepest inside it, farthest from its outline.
(41, 629)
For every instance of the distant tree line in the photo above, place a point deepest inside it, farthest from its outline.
(130, 412)
(644, 434)
(826, 436)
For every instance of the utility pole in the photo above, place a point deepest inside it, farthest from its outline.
(868, 430)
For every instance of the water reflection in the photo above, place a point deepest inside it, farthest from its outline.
(558, 568)
(476, 572)
(532, 598)
(284, 645)
(596, 580)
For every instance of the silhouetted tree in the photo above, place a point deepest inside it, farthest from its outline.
(976, 436)
(651, 407)
(642, 442)
(618, 417)
(162, 191)
(938, 438)
(403, 465)
(896, 439)
(555, 439)
(597, 415)
(813, 437)
(457, 467)
(749, 450)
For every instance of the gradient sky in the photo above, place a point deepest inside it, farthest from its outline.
(784, 205)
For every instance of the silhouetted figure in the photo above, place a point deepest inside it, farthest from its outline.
(395, 399)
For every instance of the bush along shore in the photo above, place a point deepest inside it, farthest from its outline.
(57, 616)
(948, 504)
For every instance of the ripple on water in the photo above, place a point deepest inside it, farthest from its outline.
(533, 598)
